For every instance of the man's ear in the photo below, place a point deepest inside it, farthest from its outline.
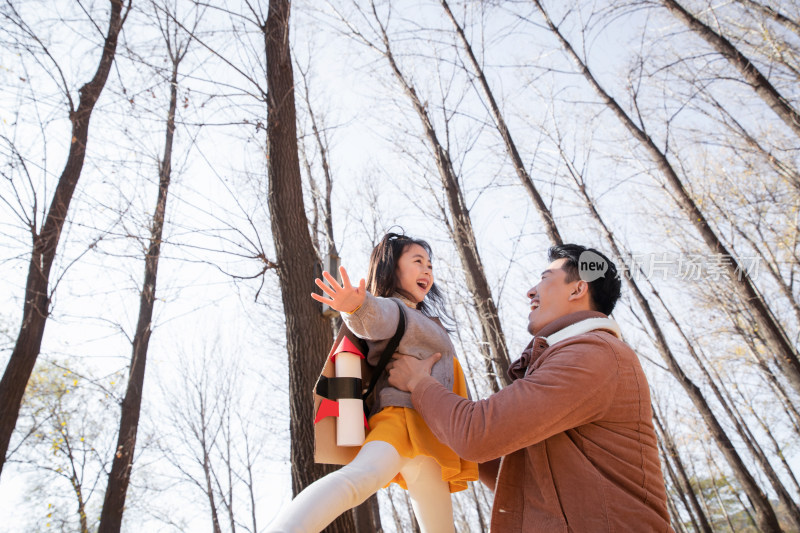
(580, 290)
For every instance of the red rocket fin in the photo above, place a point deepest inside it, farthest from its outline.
(346, 346)
(327, 408)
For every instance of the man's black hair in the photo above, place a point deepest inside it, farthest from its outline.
(604, 291)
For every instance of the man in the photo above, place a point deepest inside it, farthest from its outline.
(569, 445)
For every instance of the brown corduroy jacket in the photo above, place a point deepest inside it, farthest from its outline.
(574, 433)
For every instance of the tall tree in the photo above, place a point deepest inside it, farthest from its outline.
(761, 85)
(367, 516)
(502, 128)
(681, 478)
(36, 307)
(308, 333)
(122, 464)
(460, 222)
(741, 280)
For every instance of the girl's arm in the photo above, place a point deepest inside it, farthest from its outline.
(367, 316)
(376, 319)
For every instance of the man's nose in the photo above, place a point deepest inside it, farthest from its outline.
(531, 292)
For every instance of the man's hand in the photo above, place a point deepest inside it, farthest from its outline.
(405, 371)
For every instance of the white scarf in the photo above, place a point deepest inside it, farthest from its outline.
(584, 326)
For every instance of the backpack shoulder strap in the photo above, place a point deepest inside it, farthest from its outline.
(389, 350)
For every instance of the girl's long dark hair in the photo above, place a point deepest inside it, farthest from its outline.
(382, 280)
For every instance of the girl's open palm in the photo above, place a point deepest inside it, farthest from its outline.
(344, 298)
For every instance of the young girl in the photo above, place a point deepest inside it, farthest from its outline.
(399, 447)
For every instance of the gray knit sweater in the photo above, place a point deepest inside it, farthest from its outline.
(376, 322)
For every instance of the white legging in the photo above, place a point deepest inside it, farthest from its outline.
(375, 465)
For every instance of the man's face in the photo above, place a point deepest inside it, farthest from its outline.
(550, 298)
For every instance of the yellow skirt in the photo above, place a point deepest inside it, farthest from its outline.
(405, 429)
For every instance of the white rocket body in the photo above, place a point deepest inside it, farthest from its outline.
(350, 423)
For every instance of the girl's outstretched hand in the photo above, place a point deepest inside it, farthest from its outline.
(344, 298)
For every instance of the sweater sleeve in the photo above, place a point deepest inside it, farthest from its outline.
(575, 385)
(375, 320)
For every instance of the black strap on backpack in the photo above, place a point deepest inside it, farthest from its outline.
(387, 353)
(341, 387)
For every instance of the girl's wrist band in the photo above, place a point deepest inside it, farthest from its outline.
(356, 309)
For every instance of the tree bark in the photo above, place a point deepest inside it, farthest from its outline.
(37, 300)
(122, 464)
(762, 86)
(308, 333)
(739, 277)
(462, 231)
(505, 133)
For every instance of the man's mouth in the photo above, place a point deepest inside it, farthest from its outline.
(534, 305)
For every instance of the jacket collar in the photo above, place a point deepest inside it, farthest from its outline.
(584, 326)
(558, 330)
(567, 320)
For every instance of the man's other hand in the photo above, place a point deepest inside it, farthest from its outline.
(405, 371)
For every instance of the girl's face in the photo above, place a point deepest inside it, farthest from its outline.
(414, 272)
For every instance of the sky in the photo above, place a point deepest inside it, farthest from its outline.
(217, 219)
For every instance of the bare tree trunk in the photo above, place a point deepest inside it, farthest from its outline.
(500, 124)
(683, 483)
(228, 460)
(398, 523)
(478, 508)
(727, 405)
(675, 517)
(250, 483)
(715, 488)
(776, 449)
(752, 341)
(308, 333)
(367, 516)
(777, 102)
(414, 524)
(768, 521)
(772, 13)
(496, 382)
(462, 231)
(76, 486)
(119, 477)
(765, 320)
(37, 299)
(786, 170)
(210, 489)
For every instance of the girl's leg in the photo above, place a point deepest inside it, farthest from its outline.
(430, 496)
(321, 502)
